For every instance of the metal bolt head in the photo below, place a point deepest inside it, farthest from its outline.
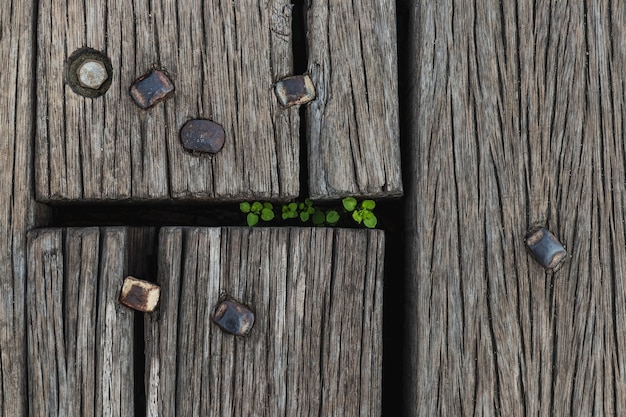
(233, 318)
(295, 90)
(92, 74)
(202, 136)
(140, 295)
(545, 248)
(152, 88)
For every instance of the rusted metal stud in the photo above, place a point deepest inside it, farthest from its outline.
(233, 318)
(151, 88)
(204, 136)
(139, 294)
(545, 248)
(295, 90)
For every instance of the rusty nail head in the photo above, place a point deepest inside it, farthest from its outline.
(295, 90)
(151, 88)
(545, 248)
(204, 136)
(233, 317)
(139, 294)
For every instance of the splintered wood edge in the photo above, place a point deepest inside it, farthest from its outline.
(140, 295)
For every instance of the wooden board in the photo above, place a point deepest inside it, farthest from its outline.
(316, 345)
(352, 126)
(80, 338)
(17, 208)
(516, 118)
(223, 58)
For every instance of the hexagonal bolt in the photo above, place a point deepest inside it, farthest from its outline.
(545, 248)
(92, 74)
(140, 295)
(233, 318)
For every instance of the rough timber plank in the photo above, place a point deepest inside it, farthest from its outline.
(353, 133)
(223, 57)
(17, 203)
(80, 338)
(517, 118)
(315, 348)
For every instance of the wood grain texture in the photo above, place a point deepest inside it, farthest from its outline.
(80, 338)
(316, 346)
(223, 58)
(517, 113)
(352, 126)
(17, 208)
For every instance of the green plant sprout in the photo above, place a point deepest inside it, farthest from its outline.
(256, 211)
(306, 211)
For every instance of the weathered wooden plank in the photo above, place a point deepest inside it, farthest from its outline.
(353, 133)
(315, 347)
(80, 338)
(223, 58)
(17, 208)
(517, 119)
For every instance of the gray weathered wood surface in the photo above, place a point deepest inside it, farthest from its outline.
(516, 118)
(17, 207)
(352, 126)
(316, 346)
(80, 338)
(223, 58)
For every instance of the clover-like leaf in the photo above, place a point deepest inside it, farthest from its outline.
(256, 207)
(244, 207)
(357, 216)
(305, 216)
(268, 205)
(332, 217)
(349, 203)
(369, 220)
(318, 218)
(293, 206)
(368, 204)
(252, 219)
(267, 214)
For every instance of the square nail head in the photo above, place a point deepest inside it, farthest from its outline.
(140, 295)
(295, 90)
(545, 248)
(151, 89)
(202, 136)
(233, 317)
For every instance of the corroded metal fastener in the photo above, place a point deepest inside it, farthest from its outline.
(140, 295)
(295, 90)
(200, 135)
(545, 248)
(151, 89)
(233, 318)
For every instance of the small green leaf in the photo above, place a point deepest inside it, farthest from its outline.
(318, 218)
(356, 215)
(252, 219)
(305, 216)
(293, 206)
(370, 220)
(368, 204)
(268, 206)
(256, 207)
(301, 206)
(244, 207)
(332, 217)
(310, 210)
(308, 202)
(267, 214)
(286, 216)
(349, 203)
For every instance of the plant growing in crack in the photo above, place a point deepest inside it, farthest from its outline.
(306, 211)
